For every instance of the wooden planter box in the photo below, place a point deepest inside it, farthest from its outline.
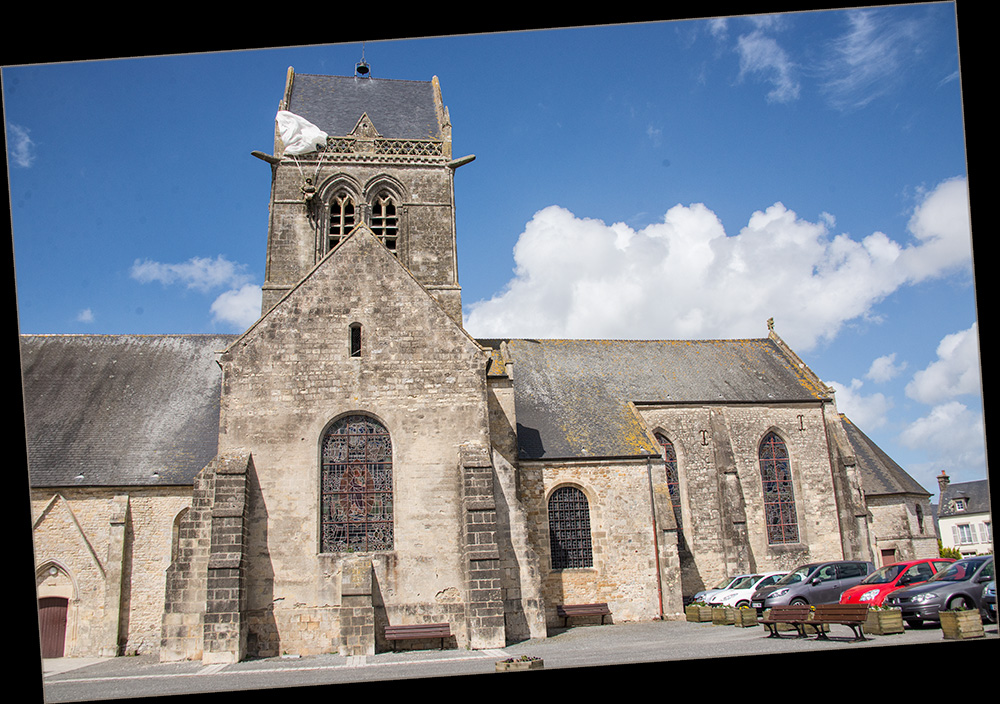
(957, 625)
(745, 618)
(882, 622)
(723, 615)
(698, 614)
(518, 665)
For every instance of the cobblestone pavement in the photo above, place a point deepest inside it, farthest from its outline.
(668, 648)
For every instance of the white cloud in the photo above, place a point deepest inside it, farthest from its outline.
(239, 307)
(865, 62)
(952, 435)
(760, 54)
(85, 316)
(21, 146)
(200, 273)
(954, 373)
(685, 278)
(865, 411)
(885, 368)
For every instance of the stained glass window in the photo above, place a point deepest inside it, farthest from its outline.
(779, 495)
(356, 505)
(569, 529)
(673, 479)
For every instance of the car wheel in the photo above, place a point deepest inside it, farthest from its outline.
(741, 604)
(959, 603)
(798, 601)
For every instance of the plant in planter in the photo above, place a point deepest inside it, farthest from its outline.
(960, 623)
(523, 662)
(745, 616)
(698, 612)
(883, 620)
(723, 615)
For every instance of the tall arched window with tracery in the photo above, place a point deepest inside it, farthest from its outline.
(569, 529)
(356, 486)
(673, 479)
(779, 495)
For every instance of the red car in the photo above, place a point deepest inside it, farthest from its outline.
(874, 588)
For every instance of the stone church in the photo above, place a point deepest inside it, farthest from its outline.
(355, 459)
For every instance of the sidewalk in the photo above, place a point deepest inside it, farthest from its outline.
(676, 646)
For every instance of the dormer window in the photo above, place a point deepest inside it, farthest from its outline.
(960, 505)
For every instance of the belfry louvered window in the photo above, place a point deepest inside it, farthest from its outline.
(342, 219)
(356, 486)
(569, 529)
(385, 222)
(779, 495)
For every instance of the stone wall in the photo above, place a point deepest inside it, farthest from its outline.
(894, 526)
(110, 548)
(721, 490)
(289, 378)
(624, 572)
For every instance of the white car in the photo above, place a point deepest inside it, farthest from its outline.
(721, 586)
(738, 594)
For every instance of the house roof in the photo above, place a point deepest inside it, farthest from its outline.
(572, 397)
(879, 473)
(120, 410)
(975, 493)
(398, 109)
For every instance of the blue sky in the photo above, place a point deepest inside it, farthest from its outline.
(680, 179)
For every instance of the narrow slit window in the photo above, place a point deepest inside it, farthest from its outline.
(356, 340)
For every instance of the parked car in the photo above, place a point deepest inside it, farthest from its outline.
(724, 584)
(739, 593)
(958, 586)
(815, 583)
(988, 607)
(876, 586)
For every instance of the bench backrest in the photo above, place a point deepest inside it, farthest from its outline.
(846, 612)
(799, 613)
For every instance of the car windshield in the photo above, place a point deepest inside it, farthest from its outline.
(957, 571)
(884, 575)
(797, 576)
(746, 582)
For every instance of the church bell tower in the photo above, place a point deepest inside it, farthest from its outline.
(380, 156)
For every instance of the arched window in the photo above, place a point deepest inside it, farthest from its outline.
(356, 486)
(342, 219)
(569, 529)
(385, 223)
(673, 479)
(779, 495)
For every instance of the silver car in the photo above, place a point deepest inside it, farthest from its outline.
(958, 586)
(815, 583)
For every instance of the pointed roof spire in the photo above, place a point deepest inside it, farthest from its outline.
(362, 68)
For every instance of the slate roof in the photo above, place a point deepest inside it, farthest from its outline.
(120, 410)
(398, 109)
(572, 396)
(879, 473)
(975, 493)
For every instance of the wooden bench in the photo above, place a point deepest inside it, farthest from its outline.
(414, 632)
(852, 615)
(568, 610)
(797, 615)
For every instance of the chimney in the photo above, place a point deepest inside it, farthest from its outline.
(943, 481)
